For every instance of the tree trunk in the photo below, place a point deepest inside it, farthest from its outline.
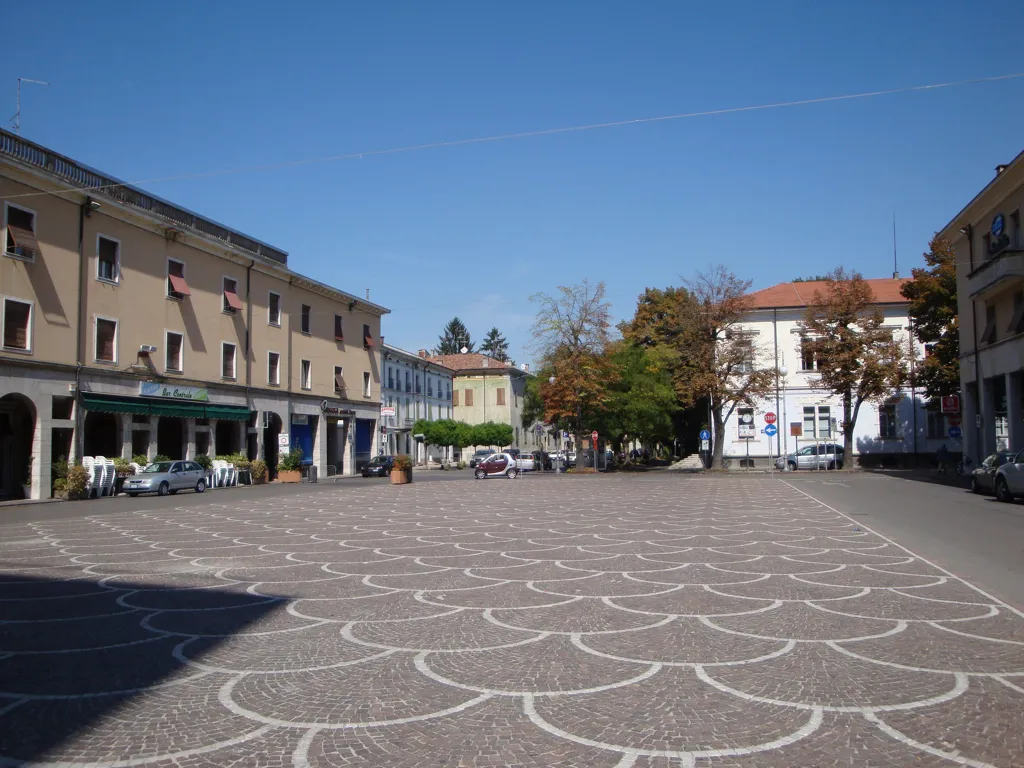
(718, 454)
(849, 419)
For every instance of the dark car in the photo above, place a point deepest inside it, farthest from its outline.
(479, 456)
(379, 467)
(542, 459)
(983, 479)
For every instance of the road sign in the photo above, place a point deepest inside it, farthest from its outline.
(955, 432)
(769, 418)
(954, 421)
(705, 445)
(747, 431)
(539, 428)
(951, 404)
(771, 430)
(705, 435)
(282, 440)
(387, 410)
(593, 435)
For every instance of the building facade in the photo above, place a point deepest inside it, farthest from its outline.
(415, 387)
(133, 326)
(486, 389)
(989, 246)
(897, 430)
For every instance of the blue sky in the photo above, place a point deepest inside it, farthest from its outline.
(148, 90)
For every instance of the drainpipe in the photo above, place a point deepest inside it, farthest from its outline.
(83, 210)
(979, 389)
(248, 356)
(778, 409)
(913, 386)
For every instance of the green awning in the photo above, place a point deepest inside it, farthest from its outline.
(181, 409)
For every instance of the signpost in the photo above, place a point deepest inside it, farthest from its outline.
(705, 445)
(955, 432)
(771, 430)
(769, 418)
(951, 404)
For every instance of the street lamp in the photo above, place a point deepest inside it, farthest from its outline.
(558, 463)
(783, 370)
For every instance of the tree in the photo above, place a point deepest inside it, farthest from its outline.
(858, 358)
(454, 338)
(491, 433)
(643, 400)
(935, 322)
(571, 333)
(715, 358)
(495, 346)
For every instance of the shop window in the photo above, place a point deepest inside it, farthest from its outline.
(105, 341)
(274, 309)
(227, 360)
(17, 320)
(274, 368)
(888, 427)
(108, 259)
(21, 241)
(172, 345)
(306, 374)
(177, 288)
(229, 299)
(305, 321)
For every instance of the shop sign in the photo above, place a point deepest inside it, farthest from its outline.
(300, 418)
(173, 392)
(387, 410)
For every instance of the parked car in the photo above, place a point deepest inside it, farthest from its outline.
(818, 456)
(166, 477)
(497, 465)
(379, 466)
(1009, 482)
(480, 455)
(570, 459)
(542, 460)
(983, 479)
(525, 462)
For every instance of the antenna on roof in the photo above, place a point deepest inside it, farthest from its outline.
(16, 120)
(895, 267)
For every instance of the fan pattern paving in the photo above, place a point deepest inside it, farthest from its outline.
(620, 621)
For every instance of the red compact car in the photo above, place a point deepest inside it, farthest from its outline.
(497, 465)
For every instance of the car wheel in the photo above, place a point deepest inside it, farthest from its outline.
(173, 492)
(1003, 490)
(133, 495)
(839, 465)
(975, 486)
(200, 486)
(792, 466)
(480, 474)
(164, 489)
(511, 473)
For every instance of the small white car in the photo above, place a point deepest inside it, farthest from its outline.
(497, 465)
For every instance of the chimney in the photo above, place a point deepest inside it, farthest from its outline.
(422, 353)
(1000, 168)
(487, 362)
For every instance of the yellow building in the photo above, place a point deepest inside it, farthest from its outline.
(989, 246)
(133, 326)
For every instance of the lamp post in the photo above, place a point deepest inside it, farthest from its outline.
(558, 462)
(783, 370)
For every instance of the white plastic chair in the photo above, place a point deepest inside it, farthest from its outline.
(220, 471)
(232, 475)
(99, 475)
(87, 464)
(111, 478)
(137, 468)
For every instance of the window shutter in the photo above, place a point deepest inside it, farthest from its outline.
(455, 397)
(469, 397)
(339, 377)
(501, 396)
(339, 334)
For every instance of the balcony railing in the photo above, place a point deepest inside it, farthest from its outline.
(996, 274)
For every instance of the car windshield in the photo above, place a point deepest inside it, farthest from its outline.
(158, 466)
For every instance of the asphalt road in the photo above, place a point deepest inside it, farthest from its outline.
(975, 537)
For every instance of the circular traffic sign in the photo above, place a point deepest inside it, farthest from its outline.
(593, 435)
(955, 432)
(705, 435)
(769, 418)
(746, 418)
(954, 421)
(771, 430)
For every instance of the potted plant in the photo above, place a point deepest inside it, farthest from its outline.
(204, 461)
(258, 467)
(26, 485)
(124, 469)
(289, 468)
(77, 482)
(401, 470)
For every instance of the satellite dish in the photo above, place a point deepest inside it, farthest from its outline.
(464, 350)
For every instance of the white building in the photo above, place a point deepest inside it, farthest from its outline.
(896, 431)
(416, 388)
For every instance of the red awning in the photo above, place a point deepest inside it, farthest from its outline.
(178, 285)
(23, 238)
(232, 298)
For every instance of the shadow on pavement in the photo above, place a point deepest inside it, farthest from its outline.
(930, 476)
(75, 651)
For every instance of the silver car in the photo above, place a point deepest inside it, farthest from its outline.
(1010, 478)
(817, 456)
(164, 477)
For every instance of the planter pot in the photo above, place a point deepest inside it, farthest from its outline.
(401, 477)
(259, 480)
(289, 476)
(27, 490)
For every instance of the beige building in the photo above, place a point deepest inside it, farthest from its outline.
(133, 326)
(485, 389)
(989, 249)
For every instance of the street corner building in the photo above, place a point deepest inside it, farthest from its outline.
(413, 387)
(133, 326)
(899, 430)
(989, 247)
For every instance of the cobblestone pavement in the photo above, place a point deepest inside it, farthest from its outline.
(616, 621)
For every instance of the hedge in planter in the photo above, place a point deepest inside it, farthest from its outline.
(289, 468)
(401, 470)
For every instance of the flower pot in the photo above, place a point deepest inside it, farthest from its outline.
(26, 489)
(400, 476)
(259, 480)
(289, 475)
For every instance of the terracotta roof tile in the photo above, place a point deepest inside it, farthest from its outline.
(885, 289)
(468, 361)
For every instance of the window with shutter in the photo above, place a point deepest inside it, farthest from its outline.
(227, 364)
(306, 322)
(107, 259)
(339, 379)
(274, 309)
(339, 331)
(366, 383)
(106, 340)
(469, 398)
(21, 233)
(229, 301)
(17, 316)
(455, 397)
(173, 347)
(367, 337)
(177, 288)
(306, 374)
(501, 396)
(274, 368)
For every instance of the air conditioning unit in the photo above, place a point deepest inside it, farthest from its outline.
(147, 349)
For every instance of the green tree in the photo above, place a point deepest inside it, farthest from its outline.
(495, 345)
(935, 321)
(643, 399)
(858, 358)
(455, 337)
(492, 434)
